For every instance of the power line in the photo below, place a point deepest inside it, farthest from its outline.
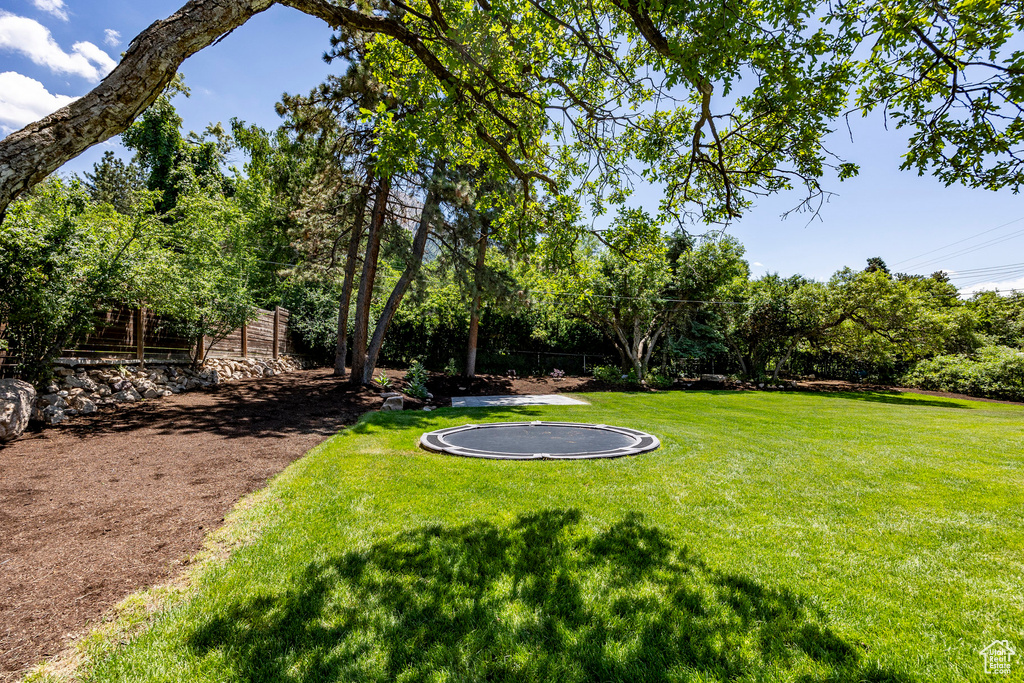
(970, 250)
(953, 244)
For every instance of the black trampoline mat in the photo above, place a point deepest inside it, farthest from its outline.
(539, 441)
(544, 438)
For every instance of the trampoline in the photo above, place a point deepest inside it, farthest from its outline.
(539, 441)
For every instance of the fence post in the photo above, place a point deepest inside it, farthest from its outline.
(245, 340)
(277, 327)
(140, 333)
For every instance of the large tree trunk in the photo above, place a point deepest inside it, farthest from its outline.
(352, 258)
(474, 313)
(153, 57)
(419, 245)
(361, 333)
(151, 61)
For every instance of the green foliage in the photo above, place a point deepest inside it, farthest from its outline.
(200, 277)
(114, 182)
(63, 261)
(416, 380)
(658, 380)
(992, 372)
(175, 164)
(382, 380)
(451, 369)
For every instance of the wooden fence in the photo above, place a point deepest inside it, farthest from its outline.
(139, 334)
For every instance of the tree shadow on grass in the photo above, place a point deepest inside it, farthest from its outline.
(541, 599)
(895, 398)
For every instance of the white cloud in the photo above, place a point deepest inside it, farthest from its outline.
(54, 7)
(24, 100)
(111, 37)
(1005, 287)
(758, 264)
(33, 40)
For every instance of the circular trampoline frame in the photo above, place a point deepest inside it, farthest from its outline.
(639, 442)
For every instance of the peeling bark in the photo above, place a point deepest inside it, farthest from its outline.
(361, 332)
(29, 155)
(351, 259)
(419, 246)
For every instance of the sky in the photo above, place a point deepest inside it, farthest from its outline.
(52, 51)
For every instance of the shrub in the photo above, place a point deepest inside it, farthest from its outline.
(416, 380)
(658, 380)
(607, 373)
(993, 372)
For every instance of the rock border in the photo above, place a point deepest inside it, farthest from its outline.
(81, 389)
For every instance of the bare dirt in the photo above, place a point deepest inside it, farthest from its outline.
(117, 501)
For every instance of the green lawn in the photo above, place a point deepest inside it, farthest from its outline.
(797, 537)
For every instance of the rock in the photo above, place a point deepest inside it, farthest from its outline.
(429, 396)
(713, 379)
(81, 383)
(77, 391)
(269, 372)
(65, 372)
(16, 399)
(151, 392)
(63, 394)
(390, 394)
(393, 403)
(83, 405)
(52, 415)
(104, 391)
(121, 385)
(127, 396)
(52, 389)
(428, 408)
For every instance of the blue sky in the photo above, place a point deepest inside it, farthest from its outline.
(52, 50)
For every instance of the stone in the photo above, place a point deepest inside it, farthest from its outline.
(104, 391)
(83, 405)
(81, 383)
(77, 391)
(428, 408)
(393, 403)
(127, 396)
(65, 372)
(390, 394)
(52, 415)
(16, 400)
(713, 379)
(151, 392)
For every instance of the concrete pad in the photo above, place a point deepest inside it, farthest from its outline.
(520, 400)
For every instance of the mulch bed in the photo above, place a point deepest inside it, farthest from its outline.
(117, 501)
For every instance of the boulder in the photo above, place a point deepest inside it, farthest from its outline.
(83, 405)
(152, 392)
(52, 415)
(713, 379)
(16, 399)
(83, 383)
(393, 403)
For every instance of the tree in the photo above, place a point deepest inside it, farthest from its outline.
(114, 182)
(643, 285)
(63, 261)
(514, 72)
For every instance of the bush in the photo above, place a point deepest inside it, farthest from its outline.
(416, 380)
(607, 373)
(658, 380)
(993, 372)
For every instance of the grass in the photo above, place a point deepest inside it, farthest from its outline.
(773, 537)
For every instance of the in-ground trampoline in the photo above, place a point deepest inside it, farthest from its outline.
(539, 441)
